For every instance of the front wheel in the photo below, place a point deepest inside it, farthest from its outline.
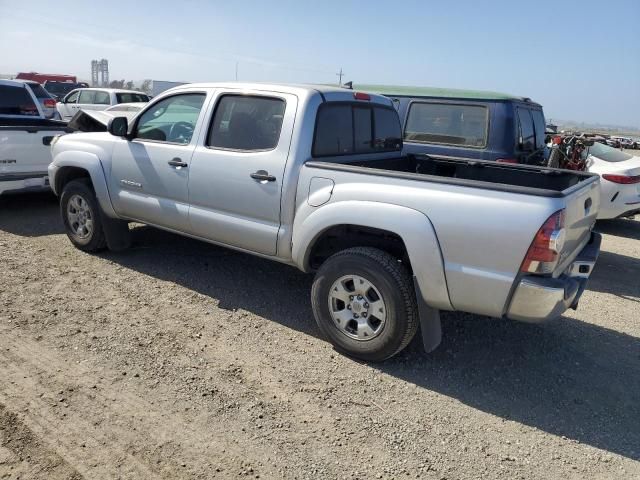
(364, 302)
(81, 216)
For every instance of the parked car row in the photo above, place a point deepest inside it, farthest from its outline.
(96, 99)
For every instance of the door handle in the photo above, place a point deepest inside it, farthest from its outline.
(262, 176)
(177, 162)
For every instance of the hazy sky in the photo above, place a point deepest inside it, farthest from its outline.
(581, 60)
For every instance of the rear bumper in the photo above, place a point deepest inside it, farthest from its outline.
(538, 299)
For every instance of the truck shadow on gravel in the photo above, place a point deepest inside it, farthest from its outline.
(30, 215)
(617, 275)
(621, 227)
(569, 378)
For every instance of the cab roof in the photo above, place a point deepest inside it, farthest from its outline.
(408, 91)
(331, 92)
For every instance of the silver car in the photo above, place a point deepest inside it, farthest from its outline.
(46, 100)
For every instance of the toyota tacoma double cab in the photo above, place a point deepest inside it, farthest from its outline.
(314, 177)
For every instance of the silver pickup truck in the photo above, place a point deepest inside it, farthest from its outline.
(314, 177)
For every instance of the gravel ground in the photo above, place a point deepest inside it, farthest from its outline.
(180, 360)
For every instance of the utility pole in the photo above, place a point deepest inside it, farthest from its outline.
(340, 74)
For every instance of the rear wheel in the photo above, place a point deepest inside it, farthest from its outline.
(81, 216)
(364, 302)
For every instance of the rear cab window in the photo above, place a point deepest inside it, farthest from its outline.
(16, 101)
(345, 128)
(463, 125)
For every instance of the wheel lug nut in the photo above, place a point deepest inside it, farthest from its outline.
(348, 307)
(364, 315)
(355, 315)
(359, 297)
(366, 305)
(350, 297)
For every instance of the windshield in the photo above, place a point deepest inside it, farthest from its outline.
(608, 154)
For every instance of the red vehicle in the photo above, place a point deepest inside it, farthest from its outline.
(43, 77)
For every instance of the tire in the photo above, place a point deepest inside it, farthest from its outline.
(381, 335)
(81, 216)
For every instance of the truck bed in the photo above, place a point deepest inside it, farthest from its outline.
(525, 179)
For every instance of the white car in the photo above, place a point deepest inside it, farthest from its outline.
(625, 142)
(96, 99)
(619, 181)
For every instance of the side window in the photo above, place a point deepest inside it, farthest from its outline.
(244, 122)
(73, 98)
(101, 98)
(16, 101)
(87, 96)
(526, 134)
(447, 123)
(171, 120)
(540, 126)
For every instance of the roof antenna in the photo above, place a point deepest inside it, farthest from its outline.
(348, 85)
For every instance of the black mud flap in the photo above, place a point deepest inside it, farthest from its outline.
(116, 233)
(430, 325)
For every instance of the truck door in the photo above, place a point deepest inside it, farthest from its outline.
(237, 172)
(150, 173)
(68, 107)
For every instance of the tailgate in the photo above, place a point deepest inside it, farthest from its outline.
(581, 211)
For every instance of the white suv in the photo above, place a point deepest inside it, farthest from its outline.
(96, 99)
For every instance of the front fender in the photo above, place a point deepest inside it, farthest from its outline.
(413, 227)
(91, 164)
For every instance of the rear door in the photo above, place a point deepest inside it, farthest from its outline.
(237, 170)
(93, 99)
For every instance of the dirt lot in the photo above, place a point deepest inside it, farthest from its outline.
(177, 360)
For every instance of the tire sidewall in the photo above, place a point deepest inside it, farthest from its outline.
(390, 339)
(94, 241)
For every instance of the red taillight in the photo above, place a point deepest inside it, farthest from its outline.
(623, 179)
(49, 103)
(545, 249)
(361, 96)
(507, 160)
(557, 140)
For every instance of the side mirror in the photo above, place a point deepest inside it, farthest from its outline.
(118, 126)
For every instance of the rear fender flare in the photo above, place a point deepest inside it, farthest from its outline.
(413, 227)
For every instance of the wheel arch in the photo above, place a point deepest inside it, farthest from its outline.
(400, 228)
(71, 165)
